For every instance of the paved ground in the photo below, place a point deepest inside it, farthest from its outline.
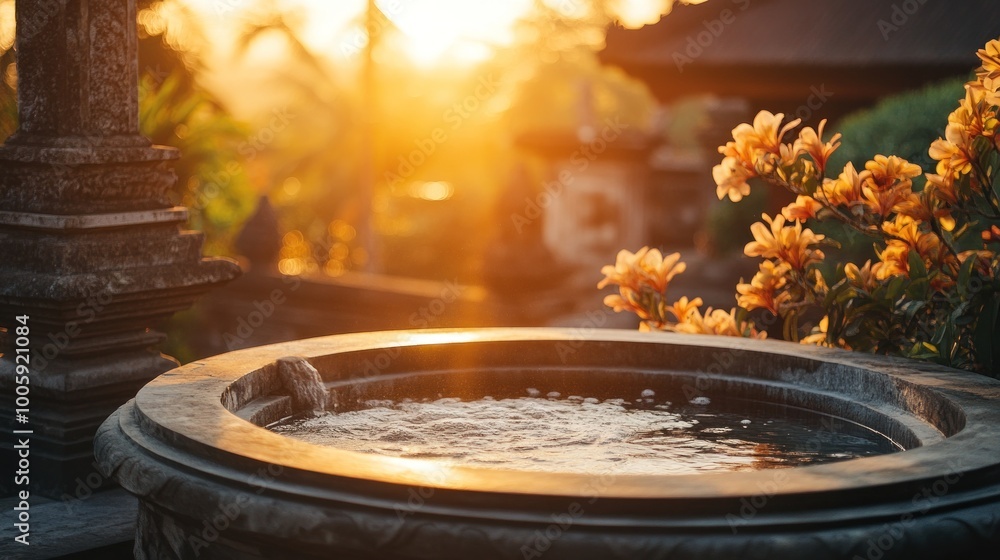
(101, 526)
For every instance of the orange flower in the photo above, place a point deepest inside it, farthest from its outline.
(916, 206)
(642, 279)
(952, 151)
(990, 55)
(989, 73)
(760, 293)
(745, 155)
(885, 202)
(942, 187)
(907, 230)
(791, 244)
(645, 267)
(766, 132)
(731, 179)
(811, 142)
(895, 260)
(846, 190)
(719, 323)
(862, 278)
(974, 116)
(659, 270)
(803, 208)
(991, 235)
(682, 308)
(889, 172)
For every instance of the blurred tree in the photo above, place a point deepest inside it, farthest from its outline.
(176, 110)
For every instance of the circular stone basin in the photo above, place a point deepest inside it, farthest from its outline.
(213, 482)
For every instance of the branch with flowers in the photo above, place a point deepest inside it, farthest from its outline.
(932, 291)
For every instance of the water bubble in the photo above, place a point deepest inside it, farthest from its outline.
(532, 392)
(648, 393)
(553, 394)
(701, 401)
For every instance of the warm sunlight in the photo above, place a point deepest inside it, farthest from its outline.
(433, 32)
(453, 29)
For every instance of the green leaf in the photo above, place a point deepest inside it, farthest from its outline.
(790, 328)
(964, 276)
(918, 289)
(911, 308)
(918, 270)
(895, 287)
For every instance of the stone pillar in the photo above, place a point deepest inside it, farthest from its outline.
(91, 250)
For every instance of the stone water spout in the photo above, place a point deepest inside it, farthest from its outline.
(303, 383)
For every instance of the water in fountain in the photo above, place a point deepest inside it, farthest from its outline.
(642, 435)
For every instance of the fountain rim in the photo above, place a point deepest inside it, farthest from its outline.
(183, 409)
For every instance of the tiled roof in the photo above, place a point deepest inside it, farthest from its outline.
(828, 33)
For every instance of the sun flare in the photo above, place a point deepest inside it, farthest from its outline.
(452, 30)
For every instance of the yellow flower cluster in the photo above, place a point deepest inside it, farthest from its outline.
(788, 244)
(758, 150)
(643, 278)
(912, 228)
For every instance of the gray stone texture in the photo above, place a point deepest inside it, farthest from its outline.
(91, 249)
(214, 484)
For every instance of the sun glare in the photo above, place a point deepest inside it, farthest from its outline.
(437, 30)
(431, 32)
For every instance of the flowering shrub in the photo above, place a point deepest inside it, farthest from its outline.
(932, 289)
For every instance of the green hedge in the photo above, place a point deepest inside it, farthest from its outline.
(902, 125)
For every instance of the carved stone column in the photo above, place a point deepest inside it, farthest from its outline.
(91, 250)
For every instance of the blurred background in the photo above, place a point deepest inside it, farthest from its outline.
(429, 163)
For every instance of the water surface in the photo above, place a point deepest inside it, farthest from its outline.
(556, 433)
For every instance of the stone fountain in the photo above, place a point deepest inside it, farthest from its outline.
(213, 482)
